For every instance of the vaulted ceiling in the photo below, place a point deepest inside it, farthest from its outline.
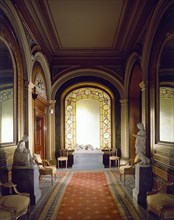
(71, 30)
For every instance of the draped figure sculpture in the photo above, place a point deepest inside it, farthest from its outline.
(140, 144)
(22, 156)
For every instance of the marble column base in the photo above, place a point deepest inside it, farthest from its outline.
(143, 182)
(27, 180)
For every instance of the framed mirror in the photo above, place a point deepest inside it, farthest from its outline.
(7, 78)
(166, 93)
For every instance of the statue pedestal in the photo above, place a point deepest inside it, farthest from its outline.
(27, 180)
(143, 182)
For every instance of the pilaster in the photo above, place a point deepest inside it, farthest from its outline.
(124, 128)
(51, 130)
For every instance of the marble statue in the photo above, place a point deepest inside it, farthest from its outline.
(22, 156)
(83, 147)
(140, 144)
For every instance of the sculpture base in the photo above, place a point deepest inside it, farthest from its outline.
(84, 159)
(143, 182)
(27, 180)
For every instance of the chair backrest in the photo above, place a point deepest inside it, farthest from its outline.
(113, 152)
(137, 159)
(63, 153)
(38, 160)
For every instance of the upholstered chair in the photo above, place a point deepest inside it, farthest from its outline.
(161, 202)
(63, 157)
(45, 168)
(114, 157)
(14, 206)
(128, 168)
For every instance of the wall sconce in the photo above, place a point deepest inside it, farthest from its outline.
(34, 94)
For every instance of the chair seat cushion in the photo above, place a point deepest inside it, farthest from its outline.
(17, 202)
(46, 171)
(54, 170)
(114, 158)
(122, 168)
(156, 201)
(62, 158)
(5, 215)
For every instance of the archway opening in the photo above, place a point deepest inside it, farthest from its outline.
(88, 118)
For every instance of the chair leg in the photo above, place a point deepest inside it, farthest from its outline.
(148, 215)
(28, 212)
(52, 179)
(40, 177)
(109, 163)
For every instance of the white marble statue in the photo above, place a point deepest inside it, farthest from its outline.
(83, 147)
(22, 156)
(140, 144)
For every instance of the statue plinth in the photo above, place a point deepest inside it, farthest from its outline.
(27, 180)
(143, 182)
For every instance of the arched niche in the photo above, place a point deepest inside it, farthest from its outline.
(85, 81)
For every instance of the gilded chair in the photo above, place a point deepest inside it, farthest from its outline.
(15, 205)
(161, 202)
(128, 168)
(45, 168)
(63, 157)
(114, 157)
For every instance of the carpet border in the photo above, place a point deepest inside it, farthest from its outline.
(122, 199)
(59, 191)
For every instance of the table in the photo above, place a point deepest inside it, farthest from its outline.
(88, 159)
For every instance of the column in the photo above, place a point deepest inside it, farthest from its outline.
(29, 114)
(51, 130)
(144, 89)
(124, 128)
(145, 117)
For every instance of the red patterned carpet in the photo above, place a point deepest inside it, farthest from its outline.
(87, 197)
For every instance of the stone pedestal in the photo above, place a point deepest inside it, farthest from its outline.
(85, 159)
(27, 180)
(143, 182)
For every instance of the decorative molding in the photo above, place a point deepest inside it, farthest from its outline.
(162, 159)
(30, 38)
(59, 70)
(119, 69)
(6, 94)
(159, 172)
